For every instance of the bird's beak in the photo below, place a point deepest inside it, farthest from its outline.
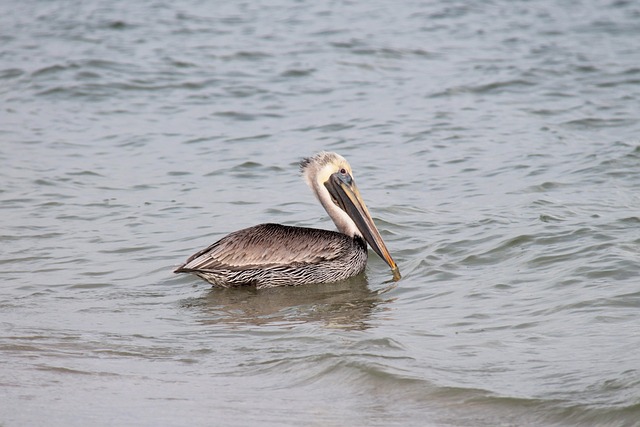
(346, 195)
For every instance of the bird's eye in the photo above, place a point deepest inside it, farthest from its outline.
(343, 171)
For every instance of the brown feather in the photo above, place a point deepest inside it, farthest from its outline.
(267, 246)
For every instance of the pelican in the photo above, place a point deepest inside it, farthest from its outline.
(270, 255)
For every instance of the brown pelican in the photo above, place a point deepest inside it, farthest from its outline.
(270, 255)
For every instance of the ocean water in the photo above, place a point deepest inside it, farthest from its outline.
(495, 144)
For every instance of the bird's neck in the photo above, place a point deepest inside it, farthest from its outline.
(340, 218)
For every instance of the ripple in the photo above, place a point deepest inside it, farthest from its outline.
(297, 72)
(488, 88)
(11, 73)
(596, 122)
(501, 151)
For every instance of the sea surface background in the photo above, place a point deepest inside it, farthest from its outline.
(497, 145)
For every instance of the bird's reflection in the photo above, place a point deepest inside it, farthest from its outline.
(347, 305)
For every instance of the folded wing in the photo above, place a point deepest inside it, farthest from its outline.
(269, 246)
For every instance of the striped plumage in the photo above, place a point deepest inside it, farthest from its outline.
(280, 255)
(269, 255)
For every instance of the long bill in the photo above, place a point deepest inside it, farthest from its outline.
(344, 191)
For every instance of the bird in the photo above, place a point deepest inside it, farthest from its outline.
(271, 255)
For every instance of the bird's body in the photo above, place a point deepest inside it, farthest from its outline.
(270, 255)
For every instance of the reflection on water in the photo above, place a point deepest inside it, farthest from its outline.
(346, 305)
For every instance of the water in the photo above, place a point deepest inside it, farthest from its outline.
(496, 146)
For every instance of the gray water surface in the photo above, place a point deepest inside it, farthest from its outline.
(495, 144)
